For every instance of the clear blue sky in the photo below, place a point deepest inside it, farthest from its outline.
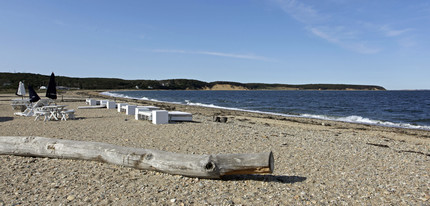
(380, 42)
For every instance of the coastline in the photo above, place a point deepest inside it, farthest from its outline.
(316, 161)
(273, 115)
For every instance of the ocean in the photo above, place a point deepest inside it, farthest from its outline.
(405, 109)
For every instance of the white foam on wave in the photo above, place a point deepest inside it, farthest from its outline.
(350, 119)
(117, 95)
(363, 120)
(132, 97)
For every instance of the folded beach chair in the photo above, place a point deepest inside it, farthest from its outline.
(30, 111)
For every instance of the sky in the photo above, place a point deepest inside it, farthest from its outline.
(383, 42)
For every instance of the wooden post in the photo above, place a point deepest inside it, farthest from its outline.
(202, 166)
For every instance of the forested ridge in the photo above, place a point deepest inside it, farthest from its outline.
(10, 81)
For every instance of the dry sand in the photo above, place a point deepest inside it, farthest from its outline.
(316, 162)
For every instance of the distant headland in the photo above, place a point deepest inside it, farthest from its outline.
(10, 81)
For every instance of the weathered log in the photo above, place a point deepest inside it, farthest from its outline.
(203, 166)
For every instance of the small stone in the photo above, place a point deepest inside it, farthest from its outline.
(173, 200)
(425, 198)
(70, 197)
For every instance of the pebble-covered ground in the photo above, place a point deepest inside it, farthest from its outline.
(316, 162)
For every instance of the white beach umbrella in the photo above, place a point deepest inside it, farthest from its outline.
(21, 89)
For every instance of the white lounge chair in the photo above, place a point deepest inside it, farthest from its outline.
(20, 104)
(30, 111)
(68, 114)
(43, 113)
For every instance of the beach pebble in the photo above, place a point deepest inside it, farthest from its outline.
(343, 164)
(70, 197)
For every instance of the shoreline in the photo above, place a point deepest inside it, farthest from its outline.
(317, 162)
(262, 114)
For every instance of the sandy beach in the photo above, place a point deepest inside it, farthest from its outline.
(317, 162)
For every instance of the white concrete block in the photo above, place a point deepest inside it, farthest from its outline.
(120, 105)
(160, 117)
(92, 102)
(129, 109)
(177, 116)
(136, 113)
(111, 105)
(148, 108)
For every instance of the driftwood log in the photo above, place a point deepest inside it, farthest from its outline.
(202, 166)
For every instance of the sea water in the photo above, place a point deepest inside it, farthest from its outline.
(406, 109)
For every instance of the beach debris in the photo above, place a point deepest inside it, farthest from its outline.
(378, 145)
(411, 151)
(223, 119)
(325, 124)
(216, 118)
(399, 151)
(212, 166)
(220, 119)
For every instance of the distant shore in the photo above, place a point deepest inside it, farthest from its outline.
(11, 79)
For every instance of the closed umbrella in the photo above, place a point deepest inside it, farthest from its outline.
(21, 89)
(51, 92)
(32, 94)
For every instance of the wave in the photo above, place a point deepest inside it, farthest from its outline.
(363, 120)
(133, 97)
(349, 119)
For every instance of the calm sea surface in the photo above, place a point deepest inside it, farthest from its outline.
(408, 109)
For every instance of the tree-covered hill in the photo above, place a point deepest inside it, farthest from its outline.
(10, 81)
